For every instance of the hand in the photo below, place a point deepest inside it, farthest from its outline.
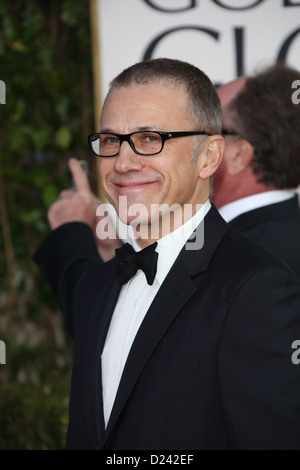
(80, 206)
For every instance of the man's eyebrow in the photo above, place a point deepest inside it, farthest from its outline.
(150, 127)
(109, 131)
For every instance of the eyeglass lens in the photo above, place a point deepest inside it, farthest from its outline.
(147, 143)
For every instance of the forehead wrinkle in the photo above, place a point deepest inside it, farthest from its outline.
(149, 127)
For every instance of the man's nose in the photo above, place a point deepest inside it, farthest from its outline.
(127, 159)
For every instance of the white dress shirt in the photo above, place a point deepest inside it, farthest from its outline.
(234, 209)
(133, 303)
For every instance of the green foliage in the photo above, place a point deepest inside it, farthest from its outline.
(33, 418)
(45, 62)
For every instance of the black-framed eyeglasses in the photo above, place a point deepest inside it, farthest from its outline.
(229, 132)
(146, 143)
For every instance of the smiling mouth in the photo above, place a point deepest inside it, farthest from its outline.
(135, 185)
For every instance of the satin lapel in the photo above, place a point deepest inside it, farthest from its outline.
(176, 290)
(108, 311)
(102, 332)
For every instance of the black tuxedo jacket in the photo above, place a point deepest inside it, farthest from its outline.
(211, 365)
(277, 228)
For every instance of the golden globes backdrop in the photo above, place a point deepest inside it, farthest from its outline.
(225, 38)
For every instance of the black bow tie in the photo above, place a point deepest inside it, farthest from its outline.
(130, 261)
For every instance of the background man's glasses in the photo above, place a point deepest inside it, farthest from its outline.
(229, 132)
(225, 132)
(146, 143)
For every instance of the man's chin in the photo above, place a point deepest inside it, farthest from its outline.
(133, 220)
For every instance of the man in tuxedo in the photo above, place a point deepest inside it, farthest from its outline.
(186, 338)
(255, 185)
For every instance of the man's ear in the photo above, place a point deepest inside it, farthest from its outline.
(211, 156)
(241, 155)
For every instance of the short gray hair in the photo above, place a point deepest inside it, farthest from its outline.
(204, 104)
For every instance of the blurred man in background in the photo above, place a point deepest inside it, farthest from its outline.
(255, 185)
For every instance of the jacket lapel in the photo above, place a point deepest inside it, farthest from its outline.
(174, 293)
(100, 331)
